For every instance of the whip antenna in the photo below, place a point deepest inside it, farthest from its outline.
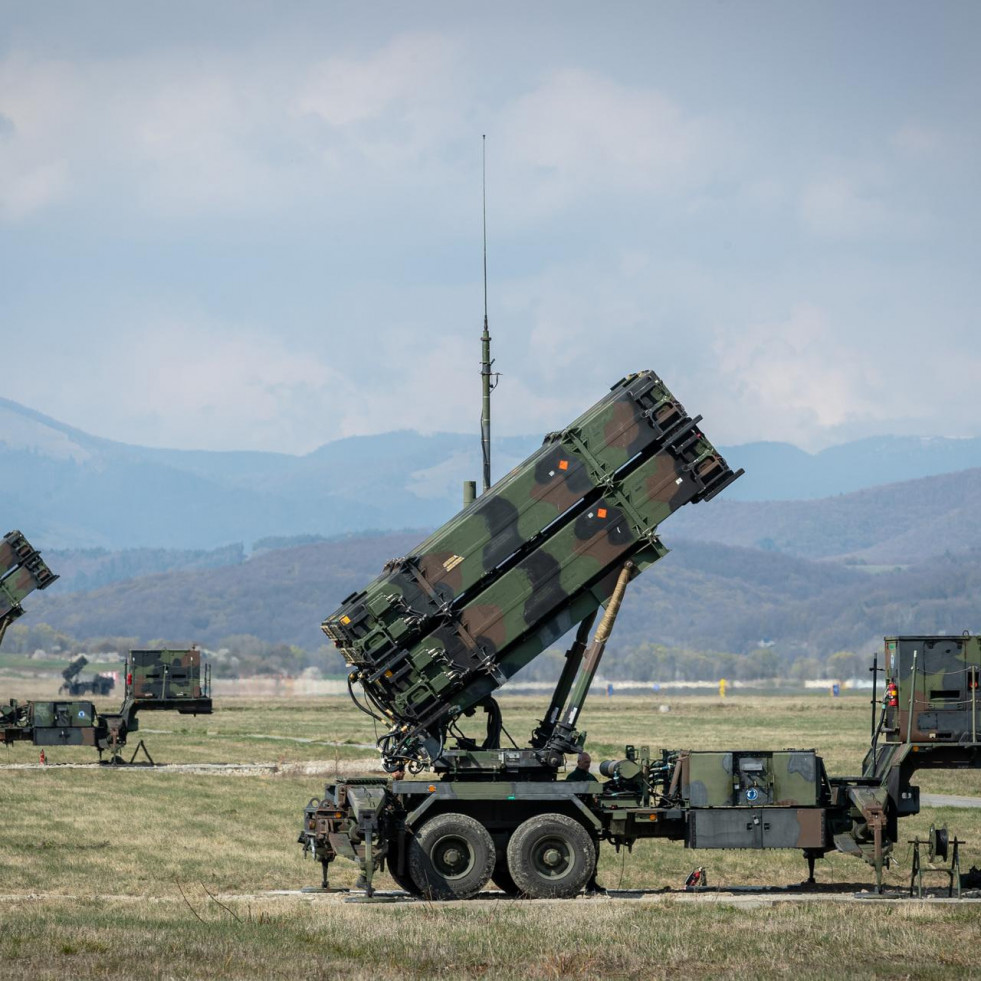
(486, 363)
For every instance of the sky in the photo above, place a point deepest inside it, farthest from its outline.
(257, 225)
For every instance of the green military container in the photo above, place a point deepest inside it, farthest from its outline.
(68, 723)
(750, 799)
(932, 691)
(163, 674)
(751, 779)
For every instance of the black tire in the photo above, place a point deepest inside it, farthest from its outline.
(403, 880)
(551, 856)
(451, 857)
(501, 877)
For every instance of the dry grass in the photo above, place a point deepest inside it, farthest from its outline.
(124, 865)
(582, 939)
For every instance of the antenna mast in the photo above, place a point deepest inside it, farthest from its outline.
(486, 362)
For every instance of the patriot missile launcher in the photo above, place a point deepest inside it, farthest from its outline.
(448, 837)
(75, 685)
(440, 629)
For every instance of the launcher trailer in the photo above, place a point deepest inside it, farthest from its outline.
(440, 630)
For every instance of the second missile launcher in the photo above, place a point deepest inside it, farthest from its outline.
(22, 570)
(442, 628)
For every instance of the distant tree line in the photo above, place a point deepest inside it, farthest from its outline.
(238, 655)
(656, 663)
(245, 655)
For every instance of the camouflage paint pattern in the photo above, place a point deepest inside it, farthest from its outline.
(789, 778)
(22, 570)
(570, 470)
(49, 715)
(529, 559)
(63, 723)
(937, 678)
(757, 827)
(163, 674)
(637, 415)
(68, 723)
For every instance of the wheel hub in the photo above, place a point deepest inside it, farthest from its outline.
(452, 857)
(552, 858)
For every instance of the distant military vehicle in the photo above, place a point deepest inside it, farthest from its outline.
(156, 680)
(75, 685)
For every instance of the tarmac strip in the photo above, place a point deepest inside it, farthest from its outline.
(307, 768)
(948, 800)
(752, 897)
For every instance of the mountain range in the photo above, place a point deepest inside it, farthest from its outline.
(67, 489)
(809, 575)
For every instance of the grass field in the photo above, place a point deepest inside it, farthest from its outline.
(155, 874)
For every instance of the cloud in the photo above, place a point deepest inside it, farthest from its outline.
(796, 378)
(843, 207)
(184, 132)
(917, 140)
(194, 383)
(581, 132)
(34, 167)
(343, 91)
(25, 189)
(282, 224)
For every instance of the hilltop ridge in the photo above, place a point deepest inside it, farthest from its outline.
(74, 490)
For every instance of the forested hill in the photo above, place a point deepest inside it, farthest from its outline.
(899, 524)
(805, 579)
(702, 596)
(67, 489)
(896, 524)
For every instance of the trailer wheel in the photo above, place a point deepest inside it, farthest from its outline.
(551, 856)
(451, 857)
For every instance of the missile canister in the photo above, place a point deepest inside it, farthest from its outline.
(22, 570)
(493, 587)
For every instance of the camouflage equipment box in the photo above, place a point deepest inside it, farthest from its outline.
(164, 675)
(67, 723)
(50, 715)
(936, 689)
(751, 779)
(757, 827)
(539, 552)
